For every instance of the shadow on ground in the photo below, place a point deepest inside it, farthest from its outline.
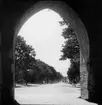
(23, 85)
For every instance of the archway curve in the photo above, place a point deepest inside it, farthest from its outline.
(68, 13)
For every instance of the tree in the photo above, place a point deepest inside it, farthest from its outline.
(59, 76)
(24, 55)
(30, 69)
(71, 47)
(74, 73)
(23, 52)
(47, 73)
(71, 50)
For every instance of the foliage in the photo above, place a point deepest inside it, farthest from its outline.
(71, 47)
(71, 50)
(23, 53)
(74, 73)
(29, 69)
(24, 56)
(47, 72)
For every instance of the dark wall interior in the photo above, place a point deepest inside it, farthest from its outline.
(89, 12)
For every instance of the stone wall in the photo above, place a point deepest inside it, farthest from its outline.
(84, 78)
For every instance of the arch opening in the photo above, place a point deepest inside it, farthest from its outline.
(69, 15)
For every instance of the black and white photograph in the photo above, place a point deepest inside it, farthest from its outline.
(50, 52)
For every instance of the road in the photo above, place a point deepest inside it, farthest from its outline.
(58, 94)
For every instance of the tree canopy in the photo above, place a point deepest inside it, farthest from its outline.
(24, 53)
(28, 68)
(71, 50)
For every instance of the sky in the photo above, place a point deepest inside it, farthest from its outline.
(43, 32)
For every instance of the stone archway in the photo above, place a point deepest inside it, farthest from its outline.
(66, 12)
